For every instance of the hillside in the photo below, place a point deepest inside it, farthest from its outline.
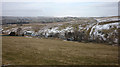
(99, 29)
(39, 19)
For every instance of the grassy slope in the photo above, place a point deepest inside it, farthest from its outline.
(33, 51)
(0, 50)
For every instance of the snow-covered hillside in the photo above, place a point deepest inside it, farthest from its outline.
(103, 30)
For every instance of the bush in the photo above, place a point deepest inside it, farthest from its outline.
(12, 34)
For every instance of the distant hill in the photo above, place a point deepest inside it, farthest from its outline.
(24, 20)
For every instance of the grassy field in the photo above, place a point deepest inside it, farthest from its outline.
(34, 51)
(0, 50)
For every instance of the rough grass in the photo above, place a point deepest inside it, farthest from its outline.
(0, 50)
(34, 51)
(75, 26)
(102, 23)
(64, 26)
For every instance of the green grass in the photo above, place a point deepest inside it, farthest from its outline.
(33, 51)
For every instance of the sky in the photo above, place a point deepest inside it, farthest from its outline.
(60, 1)
(60, 9)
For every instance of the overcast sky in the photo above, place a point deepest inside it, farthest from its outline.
(81, 9)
